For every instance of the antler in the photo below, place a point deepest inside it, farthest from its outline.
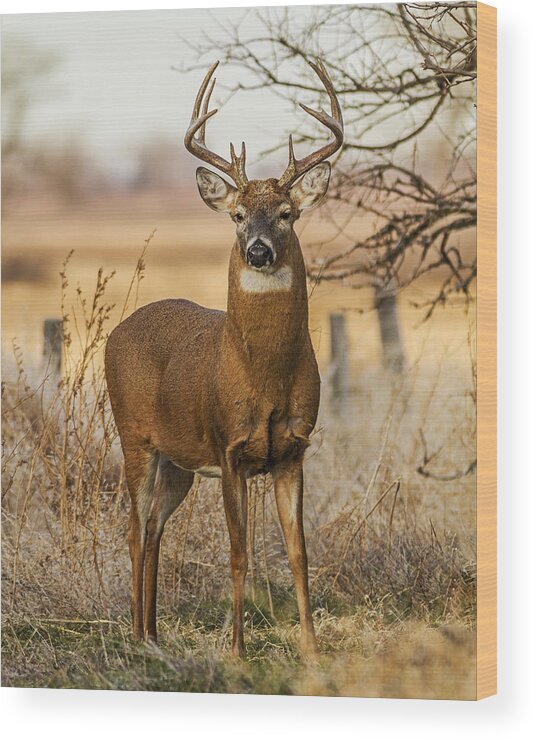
(236, 168)
(297, 167)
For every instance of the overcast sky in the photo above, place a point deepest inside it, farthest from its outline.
(114, 85)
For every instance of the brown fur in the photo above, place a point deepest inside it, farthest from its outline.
(209, 388)
(199, 388)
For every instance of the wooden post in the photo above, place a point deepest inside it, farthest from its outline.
(52, 345)
(393, 352)
(338, 370)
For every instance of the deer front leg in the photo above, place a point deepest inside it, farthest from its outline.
(235, 503)
(288, 487)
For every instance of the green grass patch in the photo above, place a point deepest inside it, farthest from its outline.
(360, 651)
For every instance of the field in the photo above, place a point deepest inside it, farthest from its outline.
(390, 490)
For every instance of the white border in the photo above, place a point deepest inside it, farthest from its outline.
(63, 714)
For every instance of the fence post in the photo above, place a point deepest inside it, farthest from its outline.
(338, 369)
(385, 303)
(52, 345)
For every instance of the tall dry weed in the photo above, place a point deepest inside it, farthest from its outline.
(385, 539)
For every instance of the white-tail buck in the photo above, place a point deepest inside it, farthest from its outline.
(228, 394)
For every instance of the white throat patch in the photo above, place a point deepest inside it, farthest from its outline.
(255, 281)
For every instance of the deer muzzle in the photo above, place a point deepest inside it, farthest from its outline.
(259, 254)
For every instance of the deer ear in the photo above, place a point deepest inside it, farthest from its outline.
(215, 191)
(309, 191)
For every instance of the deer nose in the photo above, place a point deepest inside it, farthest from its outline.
(259, 254)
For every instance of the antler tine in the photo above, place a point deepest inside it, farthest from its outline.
(194, 139)
(334, 122)
(201, 135)
(322, 72)
(239, 163)
(201, 92)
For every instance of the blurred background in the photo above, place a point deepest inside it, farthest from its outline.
(100, 213)
(94, 109)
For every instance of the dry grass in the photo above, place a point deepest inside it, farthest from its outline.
(391, 550)
(406, 661)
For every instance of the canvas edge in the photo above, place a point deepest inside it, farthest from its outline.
(486, 650)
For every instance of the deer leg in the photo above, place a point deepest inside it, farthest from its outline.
(235, 503)
(140, 470)
(171, 487)
(288, 487)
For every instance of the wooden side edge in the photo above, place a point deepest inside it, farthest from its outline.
(486, 658)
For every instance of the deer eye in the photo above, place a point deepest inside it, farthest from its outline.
(239, 218)
(285, 215)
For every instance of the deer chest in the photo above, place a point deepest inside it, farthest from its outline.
(268, 442)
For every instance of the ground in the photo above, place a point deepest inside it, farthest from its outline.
(389, 500)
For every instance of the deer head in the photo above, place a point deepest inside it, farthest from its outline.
(264, 211)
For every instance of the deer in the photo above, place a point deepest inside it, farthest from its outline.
(227, 394)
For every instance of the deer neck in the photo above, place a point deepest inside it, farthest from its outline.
(267, 317)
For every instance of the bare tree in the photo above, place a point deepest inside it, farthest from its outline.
(23, 67)
(51, 165)
(404, 190)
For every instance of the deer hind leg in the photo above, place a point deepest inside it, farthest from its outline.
(171, 487)
(140, 470)
(288, 488)
(235, 504)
